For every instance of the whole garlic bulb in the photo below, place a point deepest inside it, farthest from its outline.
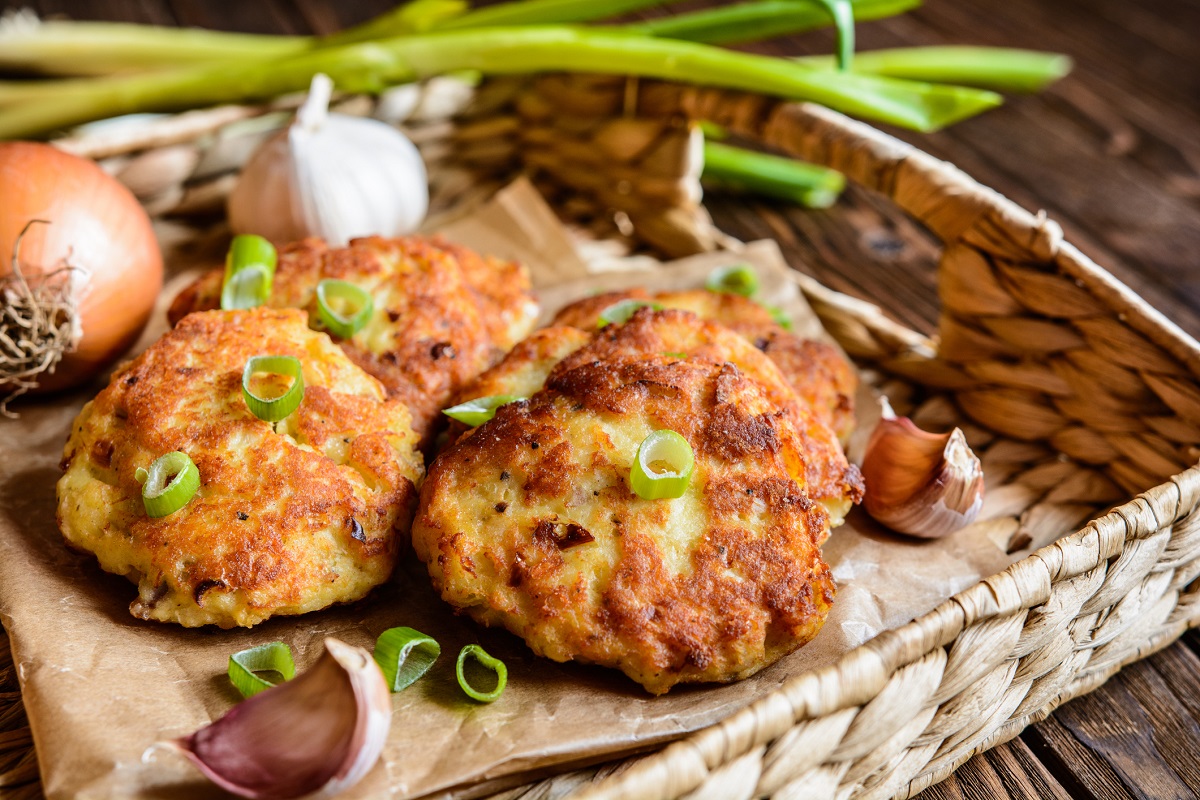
(330, 175)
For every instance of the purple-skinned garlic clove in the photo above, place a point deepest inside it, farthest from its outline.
(315, 735)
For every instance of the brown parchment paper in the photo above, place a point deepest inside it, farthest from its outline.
(101, 687)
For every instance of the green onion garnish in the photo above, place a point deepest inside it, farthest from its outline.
(481, 409)
(169, 484)
(734, 279)
(663, 466)
(249, 271)
(620, 312)
(488, 662)
(355, 299)
(405, 655)
(245, 665)
(275, 408)
(781, 317)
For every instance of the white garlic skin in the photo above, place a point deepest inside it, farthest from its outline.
(921, 484)
(315, 735)
(333, 176)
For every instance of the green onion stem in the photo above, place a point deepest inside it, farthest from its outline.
(372, 66)
(488, 662)
(735, 169)
(999, 68)
(760, 20)
(245, 667)
(547, 12)
(64, 47)
(405, 655)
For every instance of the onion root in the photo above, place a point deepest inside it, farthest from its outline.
(39, 323)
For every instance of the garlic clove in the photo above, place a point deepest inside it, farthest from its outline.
(320, 732)
(923, 484)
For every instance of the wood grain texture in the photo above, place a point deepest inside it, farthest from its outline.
(1111, 153)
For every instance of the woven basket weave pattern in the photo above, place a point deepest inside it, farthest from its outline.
(1059, 375)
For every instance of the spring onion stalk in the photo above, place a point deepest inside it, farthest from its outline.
(343, 308)
(478, 411)
(760, 20)
(999, 68)
(249, 272)
(481, 656)
(547, 12)
(373, 66)
(273, 409)
(620, 312)
(405, 655)
(733, 279)
(662, 468)
(58, 47)
(735, 169)
(245, 666)
(170, 483)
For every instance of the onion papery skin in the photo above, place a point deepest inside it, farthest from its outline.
(95, 225)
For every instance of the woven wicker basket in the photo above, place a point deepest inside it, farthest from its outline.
(1063, 371)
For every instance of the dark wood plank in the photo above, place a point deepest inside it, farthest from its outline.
(1008, 771)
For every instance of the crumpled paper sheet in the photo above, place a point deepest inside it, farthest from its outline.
(101, 687)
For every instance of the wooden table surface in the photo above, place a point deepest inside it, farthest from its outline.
(1112, 153)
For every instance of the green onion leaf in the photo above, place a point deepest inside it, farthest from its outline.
(663, 466)
(333, 295)
(481, 409)
(245, 665)
(734, 279)
(405, 655)
(494, 664)
(781, 317)
(619, 313)
(276, 408)
(740, 170)
(249, 271)
(170, 483)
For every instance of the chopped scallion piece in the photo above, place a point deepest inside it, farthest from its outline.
(781, 317)
(405, 655)
(343, 308)
(169, 484)
(734, 279)
(620, 312)
(663, 466)
(481, 409)
(249, 271)
(245, 666)
(488, 662)
(276, 408)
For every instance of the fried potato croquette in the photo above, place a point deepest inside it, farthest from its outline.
(290, 517)
(443, 314)
(828, 477)
(529, 521)
(817, 372)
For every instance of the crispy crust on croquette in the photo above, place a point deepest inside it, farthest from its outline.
(289, 517)
(443, 313)
(816, 371)
(529, 523)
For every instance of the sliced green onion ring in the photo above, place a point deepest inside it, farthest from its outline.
(619, 313)
(170, 483)
(481, 409)
(341, 325)
(781, 317)
(249, 272)
(734, 279)
(405, 655)
(488, 662)
(275, 408)
(245, 665)
(663, 466)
